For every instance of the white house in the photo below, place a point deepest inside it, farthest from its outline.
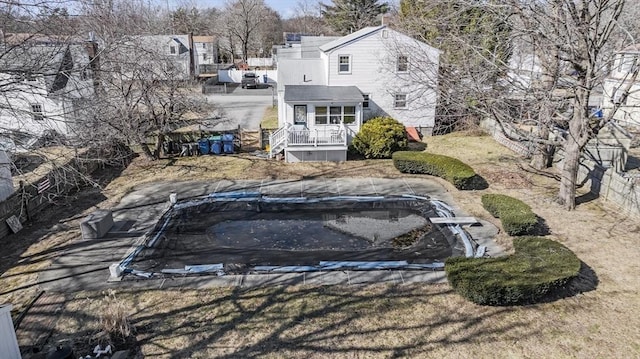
(621, 90)
(327, 87)
(205, 56)
(44, 85)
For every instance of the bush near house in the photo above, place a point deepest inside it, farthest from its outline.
(380, 137)
(538, 267)
(515, 215)
(461, 175)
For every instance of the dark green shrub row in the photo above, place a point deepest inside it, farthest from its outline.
(451, 169)
(379, 137)
(538, 267)
(515, 215)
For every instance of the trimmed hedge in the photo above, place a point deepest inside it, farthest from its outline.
(538, 267)
(451, 169)
(516, 216)
(380, 137)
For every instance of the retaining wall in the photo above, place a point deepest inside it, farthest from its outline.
(617, 187)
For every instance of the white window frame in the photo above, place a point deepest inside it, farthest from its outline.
(400, 100)
(335, 118)
(37, 111)
(348, 57)
(406, 63)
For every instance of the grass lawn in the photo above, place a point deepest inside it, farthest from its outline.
(270, 118)
(373, 321)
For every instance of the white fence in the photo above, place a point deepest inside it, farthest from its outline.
(235, 76)
(260, 61)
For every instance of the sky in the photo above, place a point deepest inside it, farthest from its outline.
(286, 8)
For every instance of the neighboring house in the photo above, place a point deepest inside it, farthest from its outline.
(620, 80)
(327, 87)
(205, 56)
(160, 50)
(44, 87)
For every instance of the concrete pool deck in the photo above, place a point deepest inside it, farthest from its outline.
(84, 264)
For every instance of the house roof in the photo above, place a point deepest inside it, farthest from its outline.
(350, 38)
(318, 93)
(209, 39)
(631, 48)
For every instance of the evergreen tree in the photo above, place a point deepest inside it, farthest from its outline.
(347, 16)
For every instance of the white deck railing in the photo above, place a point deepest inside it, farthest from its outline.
(317, 137)
(287, 136)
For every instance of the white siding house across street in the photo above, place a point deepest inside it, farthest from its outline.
(395, 76)
(43, 88)
(621, 92)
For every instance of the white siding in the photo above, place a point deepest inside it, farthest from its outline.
(628, 114)
(16, 115)
(373, 71)
(8, 343)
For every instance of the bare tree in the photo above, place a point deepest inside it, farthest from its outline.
(141, 90)
(244, 21)
(576, 34)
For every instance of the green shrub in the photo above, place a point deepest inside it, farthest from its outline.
(451, 169)
(380, 137)
(515, 215)
(538, 267)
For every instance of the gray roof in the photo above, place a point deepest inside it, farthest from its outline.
(318, 93)
(351, 37)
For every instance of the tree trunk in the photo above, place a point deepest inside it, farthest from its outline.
(146, 151)
(569, 175)
(543, 156)
(158, 149)
(577, 138)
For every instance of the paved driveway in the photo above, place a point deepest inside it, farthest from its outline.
(242, 107)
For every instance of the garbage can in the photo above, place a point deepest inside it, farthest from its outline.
(227, 142)
(216, 144)
(265, 78)
(204, 146)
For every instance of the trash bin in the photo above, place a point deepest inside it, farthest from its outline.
(216, 144)
(204, 146)
(265, 78)
(227, 142)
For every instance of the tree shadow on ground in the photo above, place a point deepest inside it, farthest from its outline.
(288, 321)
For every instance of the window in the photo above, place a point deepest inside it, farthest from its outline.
(321, 116)
(344, 64)
(172, 50)
(300, 114)
(204, 57)
(335, 115)
(403, 63)
(204, 46)
(36, 111)
(365, 101)
(400, 100)
(30, 77)
(349, 115)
